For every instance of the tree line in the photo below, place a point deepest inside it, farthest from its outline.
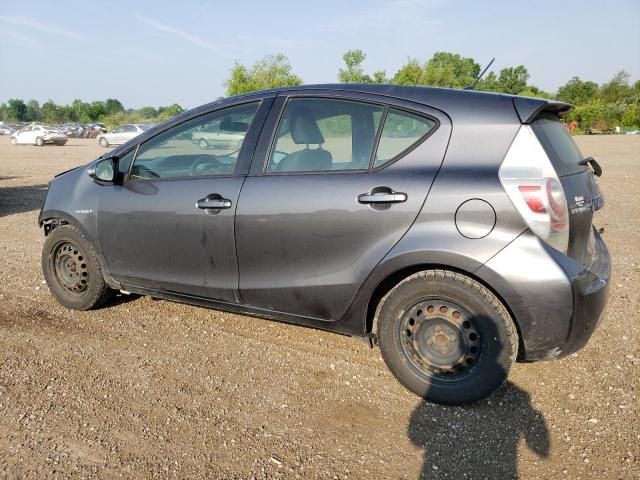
(613, 103)
(110, 112)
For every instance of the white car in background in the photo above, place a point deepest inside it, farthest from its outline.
(227, 134)
(122, 134)
(38, 135)
(6, 130)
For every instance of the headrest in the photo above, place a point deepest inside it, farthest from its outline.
(303, 126)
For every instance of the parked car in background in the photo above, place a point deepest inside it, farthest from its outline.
(6, 130)
(38, 135)
(227, 134)
(453, 228)
(122, 134)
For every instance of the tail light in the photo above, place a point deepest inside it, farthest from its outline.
(534, 188)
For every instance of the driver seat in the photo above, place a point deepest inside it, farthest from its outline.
(304, 131)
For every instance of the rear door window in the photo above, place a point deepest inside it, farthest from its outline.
(319, 134)
(558, 144)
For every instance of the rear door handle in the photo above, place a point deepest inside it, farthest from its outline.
(383, 197)
(214, 201)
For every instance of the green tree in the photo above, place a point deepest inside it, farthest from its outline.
(51, 112)
(148, 112)
(270, 72)
(96, 110)
(411, 73)
(165, 113)
(578, 92)
(17, 110)
(450, 70)
(380, 76)
(513, 80)
(113, 105)
(33, 113)
(617, 89)
(631, 117)
(353, 73)
(80, 111)
(489, 83)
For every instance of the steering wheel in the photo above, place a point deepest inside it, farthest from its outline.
(206, 165)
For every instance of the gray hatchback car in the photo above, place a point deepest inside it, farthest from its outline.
(452, 228)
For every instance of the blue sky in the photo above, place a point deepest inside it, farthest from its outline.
(158, 53)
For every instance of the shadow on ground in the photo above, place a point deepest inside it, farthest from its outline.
(21, 199)
(120, 299)
(456, 440)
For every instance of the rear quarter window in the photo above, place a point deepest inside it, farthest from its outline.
(402, 130)
(558, 144)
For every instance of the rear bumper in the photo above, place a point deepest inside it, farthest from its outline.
(556, 301)
(55, 139)
(590, 295)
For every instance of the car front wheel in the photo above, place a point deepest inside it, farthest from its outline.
(446, 337)
(39, 141)
(104, 142)
(72, 270)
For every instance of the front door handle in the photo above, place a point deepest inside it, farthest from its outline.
(385, 196)
(213, 201)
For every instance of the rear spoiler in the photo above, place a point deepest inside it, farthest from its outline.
(528, 108)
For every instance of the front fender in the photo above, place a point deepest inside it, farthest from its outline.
(73, 198)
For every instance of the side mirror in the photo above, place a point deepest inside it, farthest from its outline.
(104, 171)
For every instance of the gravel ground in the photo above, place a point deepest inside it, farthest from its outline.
(146, 388)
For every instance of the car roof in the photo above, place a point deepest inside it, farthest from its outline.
(442, 98)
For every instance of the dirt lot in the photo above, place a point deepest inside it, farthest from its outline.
(146, 388)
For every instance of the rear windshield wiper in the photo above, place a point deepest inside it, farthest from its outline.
(597, 169)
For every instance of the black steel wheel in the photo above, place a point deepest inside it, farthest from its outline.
(72, 270)
(446, 337)
(441, 339)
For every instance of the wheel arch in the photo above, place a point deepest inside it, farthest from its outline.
(52, 219)
(393, 278)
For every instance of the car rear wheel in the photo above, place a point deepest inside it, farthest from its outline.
(72, 269)
(104, 142)
(446, 337)
(39, 141)
(203, 143)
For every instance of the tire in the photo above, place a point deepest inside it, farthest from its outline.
(202, 143)
(14, 141)
(39, 141)
(103, 142)
(446, 337)
(72, 270)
